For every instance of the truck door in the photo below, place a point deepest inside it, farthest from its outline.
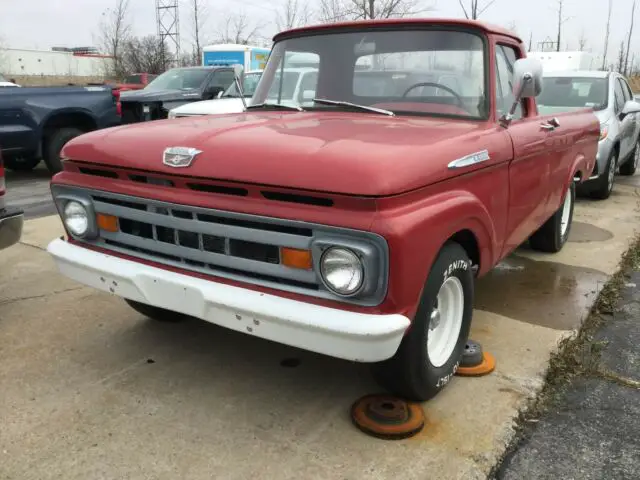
(532, 154)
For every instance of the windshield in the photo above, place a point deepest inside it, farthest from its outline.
(180, 79)
(249, 84)
(419, 72)
(572, 93)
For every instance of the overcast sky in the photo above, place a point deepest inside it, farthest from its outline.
(45, 23)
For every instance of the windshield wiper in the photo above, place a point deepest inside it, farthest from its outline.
(325, 101)
(276, 105)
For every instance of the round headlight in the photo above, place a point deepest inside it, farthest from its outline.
(76, 218)
(342, 270)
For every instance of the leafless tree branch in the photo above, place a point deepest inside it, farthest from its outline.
(115, 30)
(198, 14)
(294, 13)
(474, 8)
(238, 29)
(341, 10)
(606, 36)
(626, 58)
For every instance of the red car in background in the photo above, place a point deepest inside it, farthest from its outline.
(135, 81)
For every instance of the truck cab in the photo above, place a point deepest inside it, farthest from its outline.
(352, 225)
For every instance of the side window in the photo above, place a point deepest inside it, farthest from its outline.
(628, 94)
(222, 79)
(505, 58)
(619, 96)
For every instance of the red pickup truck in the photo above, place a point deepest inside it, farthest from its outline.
(136, 81)
(351, 223)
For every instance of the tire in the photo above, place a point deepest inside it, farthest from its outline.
(552, 236)
(629, 167)
(21, 164)
(156, 313)
(54, 145)
(604, 184)
(418, 371)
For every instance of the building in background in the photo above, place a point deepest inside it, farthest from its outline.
(58, 65)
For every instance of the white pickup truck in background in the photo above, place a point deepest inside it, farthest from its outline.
(296, 82)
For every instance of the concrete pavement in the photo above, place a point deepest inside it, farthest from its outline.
(93, 390)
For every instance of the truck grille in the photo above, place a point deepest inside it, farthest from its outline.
(220, 243)
(132, 112)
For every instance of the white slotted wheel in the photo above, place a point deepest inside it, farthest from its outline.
(445, 322)
(566, 214)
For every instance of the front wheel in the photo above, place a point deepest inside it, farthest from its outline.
(604, 183)
(53, 147)
(430, 352)
(552, 236)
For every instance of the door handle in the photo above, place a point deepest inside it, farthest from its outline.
(552, 124)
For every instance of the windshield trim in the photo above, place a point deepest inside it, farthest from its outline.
(479, 31)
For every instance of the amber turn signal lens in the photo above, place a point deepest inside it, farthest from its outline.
(108, 223)
(294, 258)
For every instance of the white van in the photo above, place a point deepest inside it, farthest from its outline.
(295, 83)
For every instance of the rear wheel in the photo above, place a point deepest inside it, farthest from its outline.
(53, 147)
(552, 236)
(604, 184)
(21, 164)
(430, 352)
(630, 166)
(156, 313)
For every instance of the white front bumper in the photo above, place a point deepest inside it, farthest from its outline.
(338, 333)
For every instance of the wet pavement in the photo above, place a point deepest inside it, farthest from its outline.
(542, 293)
(93, 390)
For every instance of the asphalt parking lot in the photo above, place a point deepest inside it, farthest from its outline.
(93, 390)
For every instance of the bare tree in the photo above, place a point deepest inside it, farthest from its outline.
(115, 30)
(198, 14)
(621, 57)
(340, 10)
(294, 13)
(626, 58)
(582, 41)
(606, 36)
(238, 29)
(474, 8)
(144, 54)
(561, 21)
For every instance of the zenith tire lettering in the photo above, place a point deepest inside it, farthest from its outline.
(457, 265)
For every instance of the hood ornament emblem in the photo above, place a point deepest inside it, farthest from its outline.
(179, 157)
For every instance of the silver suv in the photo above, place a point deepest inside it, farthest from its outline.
(609, 95)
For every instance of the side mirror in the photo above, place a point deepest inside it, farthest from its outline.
(308, 95)
(219, 94)
(527, 78)
(630, 107)
(527, 83)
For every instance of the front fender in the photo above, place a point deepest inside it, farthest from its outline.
(416, 233)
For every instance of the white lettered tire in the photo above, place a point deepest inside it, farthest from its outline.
(430, 352)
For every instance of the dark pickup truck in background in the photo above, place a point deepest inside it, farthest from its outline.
(36, 122)
(173, 88)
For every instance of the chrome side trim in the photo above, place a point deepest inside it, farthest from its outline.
(469, 160)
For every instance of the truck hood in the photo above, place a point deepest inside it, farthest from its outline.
(208, 107)
(145, 95)
(339, 152)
